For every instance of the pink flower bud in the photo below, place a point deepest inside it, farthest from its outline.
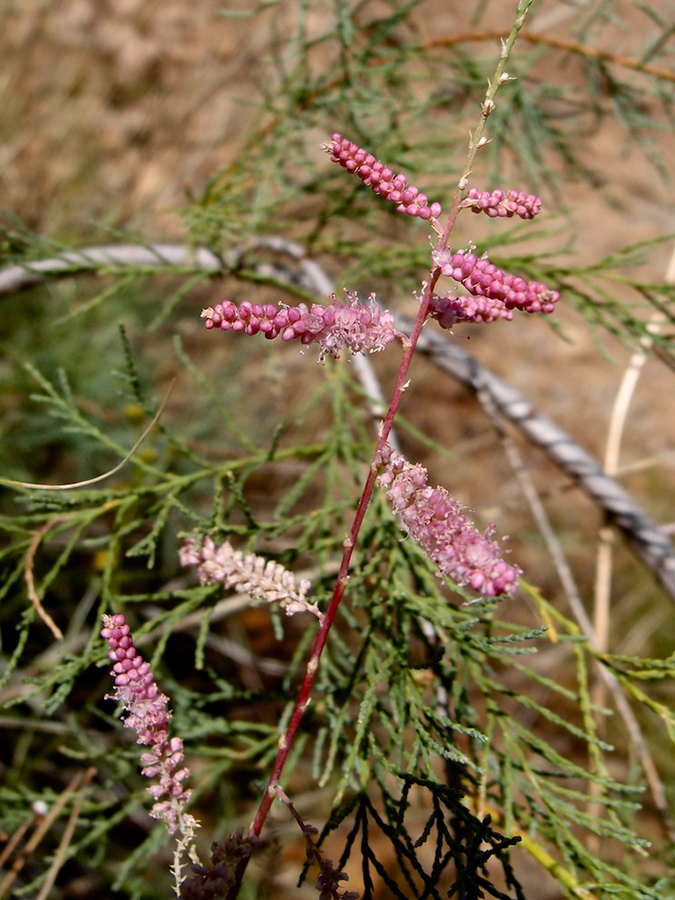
(379, 178)
(497, 203)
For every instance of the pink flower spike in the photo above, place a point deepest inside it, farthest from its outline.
(450, 309)
(149, 716)
(262, 579)
(483, 279)
(497, 203)
(359, 327)
(436, 521)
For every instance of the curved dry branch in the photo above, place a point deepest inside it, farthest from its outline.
(663, 73)
(111, 256)
(644, 536)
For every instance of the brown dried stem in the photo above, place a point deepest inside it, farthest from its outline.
(606, 56)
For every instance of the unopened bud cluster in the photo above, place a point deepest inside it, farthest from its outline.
(497, 203)
(149, 716)
(481, 278)
(360, 327)
(436, 521)
(451, 309)
(381, 179)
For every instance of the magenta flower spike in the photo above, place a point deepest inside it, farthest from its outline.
(481, 278)
(452, 308)
(358, 327)
(148, 714)
(381, 179)
(436, 521)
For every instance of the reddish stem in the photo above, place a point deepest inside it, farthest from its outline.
(302, 702)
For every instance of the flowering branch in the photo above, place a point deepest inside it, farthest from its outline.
(475, 560)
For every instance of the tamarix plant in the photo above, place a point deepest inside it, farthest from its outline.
(462, 286)
(306, 634)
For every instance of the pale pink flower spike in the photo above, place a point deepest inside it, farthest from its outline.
(262, 579)
(436, 521)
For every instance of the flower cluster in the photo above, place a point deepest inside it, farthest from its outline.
(381, 179)
(500, 204)
(481, 278)
(360, 327)
(436, 521)
(261, 578)
(149, 716)
(450, 309)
